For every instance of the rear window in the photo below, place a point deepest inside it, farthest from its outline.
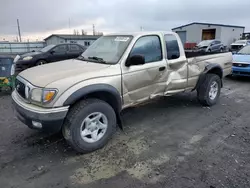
(172, 47)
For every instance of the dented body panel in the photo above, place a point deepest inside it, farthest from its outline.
(135, 84)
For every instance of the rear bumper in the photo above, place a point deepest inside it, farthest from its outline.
(242, 71)
(46, 119)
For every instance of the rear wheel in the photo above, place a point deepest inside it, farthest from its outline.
(209, 91)
(89, 125)
(41, 62)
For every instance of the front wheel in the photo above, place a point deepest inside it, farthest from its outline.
(209, 91)
(89, 125)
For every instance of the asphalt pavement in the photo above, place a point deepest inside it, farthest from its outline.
(171, 142)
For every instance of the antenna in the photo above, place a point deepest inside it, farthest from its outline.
(93, 29)
(19, 32)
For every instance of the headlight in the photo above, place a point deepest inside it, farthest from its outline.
(36, 95)
(27, 58)
(43, 95)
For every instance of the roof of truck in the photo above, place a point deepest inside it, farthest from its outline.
(140, 33)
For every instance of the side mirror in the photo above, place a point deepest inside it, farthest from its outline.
(135, 60)
(33, 51)
(52, 52)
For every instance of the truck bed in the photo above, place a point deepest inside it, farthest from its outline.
(190, 54)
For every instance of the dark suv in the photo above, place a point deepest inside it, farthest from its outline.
(48, 54)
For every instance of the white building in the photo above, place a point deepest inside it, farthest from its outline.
(85, 40)
(196, 32)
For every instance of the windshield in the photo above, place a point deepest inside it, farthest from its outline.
(47, 48)
(205, 43)
(245, 50)
(108, 49)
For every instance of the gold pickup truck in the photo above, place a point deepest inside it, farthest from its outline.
(84, 97)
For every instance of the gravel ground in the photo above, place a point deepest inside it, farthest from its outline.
(172, 142)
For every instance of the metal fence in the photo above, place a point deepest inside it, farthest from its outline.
(14, 48)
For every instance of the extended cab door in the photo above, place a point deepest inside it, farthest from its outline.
(141, 82)
(176, 78)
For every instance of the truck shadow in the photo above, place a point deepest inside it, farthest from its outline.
(131, 117)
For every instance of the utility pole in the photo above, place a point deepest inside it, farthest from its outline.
(19, 32)
(93, 29)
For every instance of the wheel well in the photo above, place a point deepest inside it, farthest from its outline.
(109, 98)
(105, 96)
(216, 71)
(40, 60)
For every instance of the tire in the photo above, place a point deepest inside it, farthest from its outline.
(41, 62)
(203, 92)
(73, 125)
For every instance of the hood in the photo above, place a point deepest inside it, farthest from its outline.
(46, 74)
(30, 54)
(238, 44)
(241, 58)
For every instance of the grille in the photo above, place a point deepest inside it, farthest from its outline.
(20, 88)
(236, 47)
(240, 65)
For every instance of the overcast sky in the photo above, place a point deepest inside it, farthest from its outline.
(40, 18)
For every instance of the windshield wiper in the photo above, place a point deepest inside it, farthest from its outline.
(98, 59)
(81, 58)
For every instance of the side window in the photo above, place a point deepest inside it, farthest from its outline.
(60, 49)
(149, 47)
(217, 42)
(74, 47)
(172, 47)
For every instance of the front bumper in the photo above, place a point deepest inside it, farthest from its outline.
(241, 71)
(49, 119)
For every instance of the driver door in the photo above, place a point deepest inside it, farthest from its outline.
(141, 82)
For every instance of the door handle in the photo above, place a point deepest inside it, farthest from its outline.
(162, 68)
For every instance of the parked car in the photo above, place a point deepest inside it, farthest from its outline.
(241, 62)
(236, 46)
(84, 97)
(210, 46)
(6, 73)
(48, 54)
